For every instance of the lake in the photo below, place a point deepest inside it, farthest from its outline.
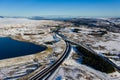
(10, 48)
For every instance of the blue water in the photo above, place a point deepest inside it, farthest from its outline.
(10, 48)
(59, 78)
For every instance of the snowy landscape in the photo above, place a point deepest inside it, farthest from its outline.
(102, 40)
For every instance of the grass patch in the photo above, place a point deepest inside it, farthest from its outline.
(49, 49)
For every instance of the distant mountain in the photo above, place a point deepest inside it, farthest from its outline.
(99, 23)
(1, 17)
(36, 18)
(50, 18)
(115, 19)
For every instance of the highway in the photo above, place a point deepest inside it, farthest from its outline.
(104, 58)
(40, 75)
(93, 52)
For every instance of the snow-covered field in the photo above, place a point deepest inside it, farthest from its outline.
(72, 70)
(38, 32)
(106, 45)
(17, 71)
(18, 22)
(35, 31)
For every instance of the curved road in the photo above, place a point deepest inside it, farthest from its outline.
(40, 75)
(89, 49)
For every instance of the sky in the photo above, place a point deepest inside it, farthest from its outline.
(85, 8)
